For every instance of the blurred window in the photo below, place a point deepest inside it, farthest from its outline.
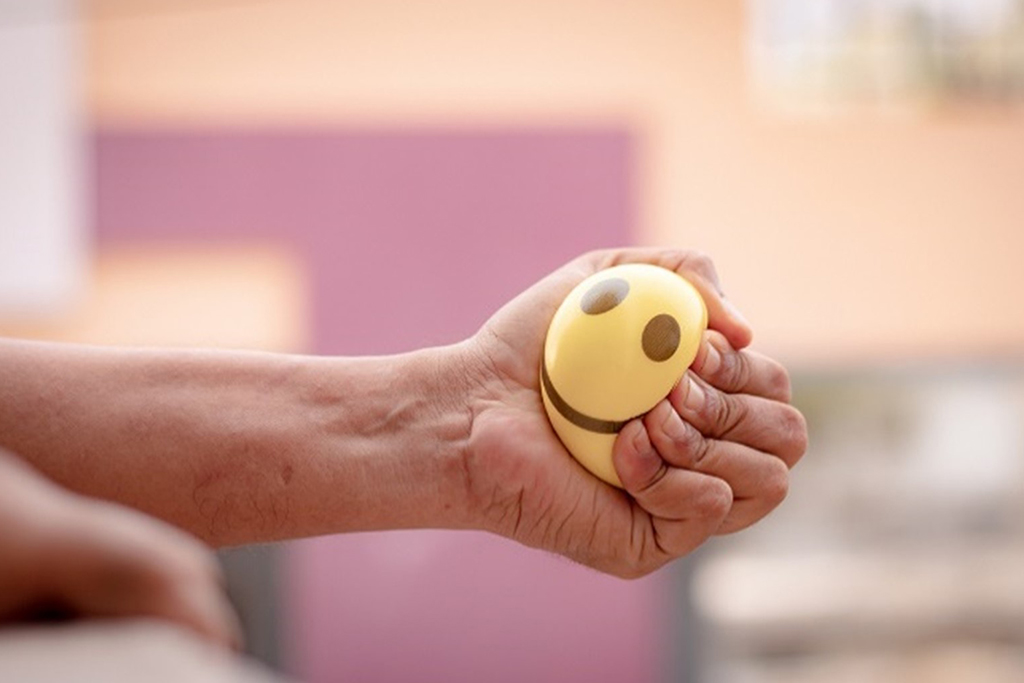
(899, 555)
(834, 55)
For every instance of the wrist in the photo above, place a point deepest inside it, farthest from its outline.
(393, 433)
(441, 428)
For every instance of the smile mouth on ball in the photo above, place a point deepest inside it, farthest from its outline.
(581, 420)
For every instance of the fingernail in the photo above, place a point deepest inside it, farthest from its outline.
(673, 425)
(644, 448)
(734, 312)
(694, 400)
(712, 360)
(641, 444)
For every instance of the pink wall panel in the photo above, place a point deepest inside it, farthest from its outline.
(412, 238)
(440, 227)
(416, 606)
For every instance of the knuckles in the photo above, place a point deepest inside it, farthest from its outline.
(699, 262)
(780, 423)
(688, 445)
(724, 412)
(793, 429)
(734, 373)
(775, 486)
(779, 383)
(713, 501)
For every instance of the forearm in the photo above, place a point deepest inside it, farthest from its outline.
(243, 447)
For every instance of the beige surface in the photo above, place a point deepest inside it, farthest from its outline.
(949, 662)
(233, 297)
(115, 652)
(845, 598)
(918, 616)
(842, 239)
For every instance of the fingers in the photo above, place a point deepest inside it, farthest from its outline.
(750, 473)
(116, 562)
(769, 426)
(685, 507)
(723, 315)
(700, 271)
(759, 481)
(740, 372)
(68, 555)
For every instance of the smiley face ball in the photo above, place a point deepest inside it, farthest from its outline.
(616, 346)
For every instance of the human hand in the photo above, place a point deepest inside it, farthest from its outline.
(713, 457)
(65, 555)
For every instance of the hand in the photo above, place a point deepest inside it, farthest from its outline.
(69, 556)
(711, 458)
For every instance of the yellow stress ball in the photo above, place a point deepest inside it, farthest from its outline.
(617, 345)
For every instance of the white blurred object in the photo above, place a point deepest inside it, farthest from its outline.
(899, 555)
(119, 651)
(838, 55)
(42, 169)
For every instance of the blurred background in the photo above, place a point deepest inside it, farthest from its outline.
(275, 174)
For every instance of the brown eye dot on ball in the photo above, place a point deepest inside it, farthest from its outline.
(604, 296)
(661, 337)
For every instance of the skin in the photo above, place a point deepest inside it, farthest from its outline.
(690, 469)
(246, 447)
(65, 555)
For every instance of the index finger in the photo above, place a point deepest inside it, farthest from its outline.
(699, 270)
(723, 316)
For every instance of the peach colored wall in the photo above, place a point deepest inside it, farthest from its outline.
(850, 238)
(842, 239)
(231, 296)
